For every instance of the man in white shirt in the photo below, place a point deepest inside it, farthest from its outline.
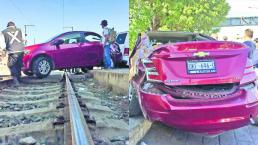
(106, 44)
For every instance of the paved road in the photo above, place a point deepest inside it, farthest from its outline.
(160, 134)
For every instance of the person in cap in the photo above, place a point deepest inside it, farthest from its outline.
(14, 47)
(105, 33)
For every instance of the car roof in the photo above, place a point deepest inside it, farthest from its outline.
(70, 32)
(79, 32)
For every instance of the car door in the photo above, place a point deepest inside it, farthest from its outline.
(91, 49)
(67, 55)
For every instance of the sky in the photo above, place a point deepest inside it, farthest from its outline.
(50, 16)
(241, 8)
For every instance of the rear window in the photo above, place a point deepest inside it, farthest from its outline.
(175, 39)
(164, 40)
(121, 38)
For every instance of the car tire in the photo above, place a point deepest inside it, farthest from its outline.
(86, 69)
(123, 64)
(42, 67)
(28, 73)
(134, 106)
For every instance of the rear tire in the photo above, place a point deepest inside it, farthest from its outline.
(123, 64)
(86, 69)
(42, 67)
(134, 106)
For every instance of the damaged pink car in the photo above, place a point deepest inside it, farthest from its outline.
(192, 82)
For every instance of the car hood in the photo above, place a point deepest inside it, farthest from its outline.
(33, 47)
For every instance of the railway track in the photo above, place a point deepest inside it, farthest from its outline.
(62, 110)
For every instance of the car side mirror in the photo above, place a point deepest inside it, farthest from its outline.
(58, 42)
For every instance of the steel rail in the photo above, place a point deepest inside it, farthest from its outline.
(79, 128)
(5, 82)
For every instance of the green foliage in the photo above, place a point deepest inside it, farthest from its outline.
(176, 15)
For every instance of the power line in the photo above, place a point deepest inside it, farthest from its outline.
(19, 11)
(63, 13)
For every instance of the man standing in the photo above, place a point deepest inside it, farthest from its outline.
(248, 36)
(14, 47)
(107, 57)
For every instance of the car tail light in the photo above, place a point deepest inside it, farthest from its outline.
(151, 72)
(249, 75)
(126, 51)
(249, 69)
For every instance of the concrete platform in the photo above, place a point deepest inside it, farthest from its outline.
(116, 79)
(138, 127)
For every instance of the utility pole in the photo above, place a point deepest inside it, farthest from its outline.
(69, 27)
(25, 28)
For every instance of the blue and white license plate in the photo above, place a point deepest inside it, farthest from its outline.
(201, 66)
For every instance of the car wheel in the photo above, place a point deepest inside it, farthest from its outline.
(86, 69)
(28, 73)
(134, 106)
(42, 67)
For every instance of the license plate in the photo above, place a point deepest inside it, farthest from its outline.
(201, 66)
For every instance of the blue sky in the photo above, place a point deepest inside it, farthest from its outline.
(47, 16)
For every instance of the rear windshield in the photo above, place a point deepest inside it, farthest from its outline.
(174, 39)
(121, 38)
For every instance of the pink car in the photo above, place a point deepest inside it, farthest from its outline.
(193, 82)
(76, 49)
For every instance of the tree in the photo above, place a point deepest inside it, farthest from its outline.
(176, 15)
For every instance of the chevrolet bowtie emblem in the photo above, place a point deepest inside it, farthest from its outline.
(201, 54)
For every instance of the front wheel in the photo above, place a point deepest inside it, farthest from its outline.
(134, 106)
(42, 67)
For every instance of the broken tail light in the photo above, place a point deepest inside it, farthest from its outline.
(249, 75)
(249, 69)
(152, 74)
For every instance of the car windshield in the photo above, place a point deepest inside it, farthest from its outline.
(52, 38)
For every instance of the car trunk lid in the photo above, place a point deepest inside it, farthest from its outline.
(198, 63)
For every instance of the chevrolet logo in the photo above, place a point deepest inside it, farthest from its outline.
(201, 54)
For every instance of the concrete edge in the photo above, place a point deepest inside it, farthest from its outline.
(139, 126)
(115, 80)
